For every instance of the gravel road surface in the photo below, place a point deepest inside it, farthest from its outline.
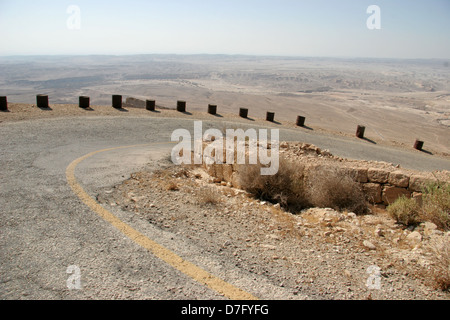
(45, 227)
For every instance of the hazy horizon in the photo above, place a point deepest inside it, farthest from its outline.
(237, 55)
(324, 29)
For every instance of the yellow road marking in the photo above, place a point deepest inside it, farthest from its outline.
(188, 268)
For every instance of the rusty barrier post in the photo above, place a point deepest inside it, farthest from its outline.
(243, 113)
(117, 101)
(181, 106)
(360, 131)
(300, 121)
(3, 103)
(150, 105)
(42, 101)
(418, 145)
(270, 116)
(212, 109)
(84, 102)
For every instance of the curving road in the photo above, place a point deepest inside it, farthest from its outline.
(45, 227)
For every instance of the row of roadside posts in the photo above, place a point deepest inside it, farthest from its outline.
(84, 103)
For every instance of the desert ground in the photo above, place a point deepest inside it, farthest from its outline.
(398, 101)
(274, 253)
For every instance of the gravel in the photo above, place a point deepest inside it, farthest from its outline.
(317, 254)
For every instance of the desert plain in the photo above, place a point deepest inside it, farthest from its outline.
(398, 101)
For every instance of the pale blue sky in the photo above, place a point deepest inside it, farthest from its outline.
(333, 28)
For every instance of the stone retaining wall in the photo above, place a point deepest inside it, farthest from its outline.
(382, 183)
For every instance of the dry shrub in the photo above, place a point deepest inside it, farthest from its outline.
(286, 187)
(294, 190)
(332, 188)
(166, 179)
(405, 211)
(208, 195)
(436, 205)
(171, 185)
(440, 270)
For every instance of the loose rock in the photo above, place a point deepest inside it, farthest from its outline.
(369, 245)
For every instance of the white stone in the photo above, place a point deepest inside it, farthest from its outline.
(369, 245)
(351, 215)
(414, 236)
(429, 228)
(268, 246)
(379, 231)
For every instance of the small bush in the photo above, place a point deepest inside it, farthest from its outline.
(295, 189)
(331, 188)
(436, 205)
(440, 271)
(286, 187)
(405, 211)
(171, 185)
(208, 196)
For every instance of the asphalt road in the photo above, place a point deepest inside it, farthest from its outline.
(45, 227)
